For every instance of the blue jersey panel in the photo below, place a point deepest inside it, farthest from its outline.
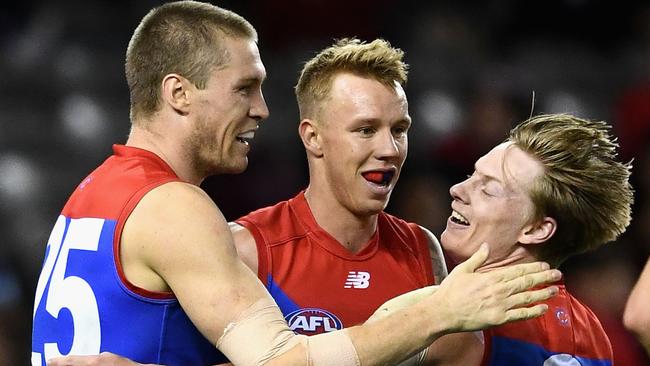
(507, 352)
(82, 307)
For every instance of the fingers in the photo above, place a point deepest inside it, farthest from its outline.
(529, 297)
(525, 313)
(528, 281)
(475, 260)
(518, 270)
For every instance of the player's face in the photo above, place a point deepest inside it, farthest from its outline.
(492, 206)
(229, 110)
(364, 141)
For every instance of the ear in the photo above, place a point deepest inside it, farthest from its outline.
(310, 136)
(539, 231)
(176, 92)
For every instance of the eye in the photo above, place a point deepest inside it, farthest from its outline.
(244, 89)
(400, 131)
(486, 192)
(366, 131)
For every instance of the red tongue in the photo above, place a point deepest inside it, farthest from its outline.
(375, 177)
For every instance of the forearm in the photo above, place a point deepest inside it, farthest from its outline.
(394, 338)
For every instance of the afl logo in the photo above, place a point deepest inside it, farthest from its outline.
(313, 321)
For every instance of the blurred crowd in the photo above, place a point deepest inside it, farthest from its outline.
(477, 68)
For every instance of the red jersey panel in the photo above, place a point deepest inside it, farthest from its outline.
(318, 284)
(567, 334)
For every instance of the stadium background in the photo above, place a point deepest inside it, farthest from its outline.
(474, 67)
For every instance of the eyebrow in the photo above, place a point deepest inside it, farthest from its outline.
(488, 177)
(252, 79)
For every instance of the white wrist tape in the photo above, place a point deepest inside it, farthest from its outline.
(332, 349)
(260, 334)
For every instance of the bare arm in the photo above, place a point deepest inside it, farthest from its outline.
(177, 239)
(456, 349)
(636, 316)
(465, 289)
(437, 258)
(245, 245)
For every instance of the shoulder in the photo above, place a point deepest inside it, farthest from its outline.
(178, 199)
(171, 216)
(275, 224)
(245, 245)
(267, 216)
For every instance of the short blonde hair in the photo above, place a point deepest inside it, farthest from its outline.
(377, 60)
(584, 188)
(184, 37)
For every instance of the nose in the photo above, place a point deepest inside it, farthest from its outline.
(458, 191)
(388, 147)
(259, 110)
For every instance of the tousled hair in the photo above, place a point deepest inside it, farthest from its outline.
(377, 60)
(584, 187)
(184, 37)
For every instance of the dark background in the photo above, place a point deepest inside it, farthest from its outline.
(474, 68)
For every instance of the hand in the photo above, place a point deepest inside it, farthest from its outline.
(473, 301)
(103, 359)
(402, 301)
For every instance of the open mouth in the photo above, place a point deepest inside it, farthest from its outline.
(459, 219)
(382, 178)
(246, 137)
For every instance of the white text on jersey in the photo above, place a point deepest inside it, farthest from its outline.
(357, 279)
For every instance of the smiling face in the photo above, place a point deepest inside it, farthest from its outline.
(228, 111)
(493, 206)
(363, 127)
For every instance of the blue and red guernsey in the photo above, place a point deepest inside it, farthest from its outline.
(567, 334)
(84, 304)
(318, 284)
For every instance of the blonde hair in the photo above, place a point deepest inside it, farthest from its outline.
(184, 37)
(377, 60)
(584, 188)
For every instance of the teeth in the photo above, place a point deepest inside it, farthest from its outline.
(460, 218)
(246, 137)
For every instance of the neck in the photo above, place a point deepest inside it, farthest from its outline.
(168, 146)
(519, 255)
(352, 231)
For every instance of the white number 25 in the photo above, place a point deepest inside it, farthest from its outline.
(72, 292)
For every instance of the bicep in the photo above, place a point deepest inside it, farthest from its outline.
(191, 248)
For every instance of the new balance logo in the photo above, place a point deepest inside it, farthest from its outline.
(357, 280)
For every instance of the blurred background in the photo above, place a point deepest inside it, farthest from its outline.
(474, 68)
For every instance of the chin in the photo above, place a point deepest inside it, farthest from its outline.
(227, 169)
(234, 170)
(373, 208)
(452, 248)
